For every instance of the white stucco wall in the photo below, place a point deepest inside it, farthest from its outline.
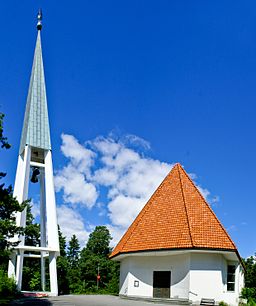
(141, 269)
(208, 278)
(194, 275)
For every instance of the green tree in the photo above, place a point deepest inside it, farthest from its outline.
(73, 255)
(94, 258)
(98, 242)
(8, 207)
(73, 251)
(3, 139)
(62, 266)
(250, 276)
(8, 229)
(31, 278)
(249, 291)
(32, 230)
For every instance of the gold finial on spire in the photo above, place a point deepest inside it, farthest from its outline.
(39, 20)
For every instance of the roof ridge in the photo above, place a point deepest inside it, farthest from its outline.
(184, 200)
(211, 210)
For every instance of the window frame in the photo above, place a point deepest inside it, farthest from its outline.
(231, 277)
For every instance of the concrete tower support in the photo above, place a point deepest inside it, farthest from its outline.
(35, 164)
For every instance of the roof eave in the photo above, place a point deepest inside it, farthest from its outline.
(156, 252)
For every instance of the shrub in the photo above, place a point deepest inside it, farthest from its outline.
(248, 293)
(8, 289)
(223, 303)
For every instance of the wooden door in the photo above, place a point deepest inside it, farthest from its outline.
(161, 284)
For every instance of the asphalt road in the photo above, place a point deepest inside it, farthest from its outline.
(83, 300)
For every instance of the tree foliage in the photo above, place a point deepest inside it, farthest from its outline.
(8, 289)
(94, 261)
(98, 242)
(78, 269)
(250, 276)
(8, 207)
(73, 251)
(32, 229)
(249, 291)
(8, 229)
(62, 266)
(3, 140)
(31, 279)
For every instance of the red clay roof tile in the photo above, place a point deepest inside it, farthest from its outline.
(175, 217)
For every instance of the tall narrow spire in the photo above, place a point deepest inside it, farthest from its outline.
(36, 132)
(35, 157)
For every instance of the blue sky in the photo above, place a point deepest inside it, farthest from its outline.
(148, 84)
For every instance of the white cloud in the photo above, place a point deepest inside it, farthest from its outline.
(116, 233)
(105, 177)
(130, 178)
(76, 190)
(35, 209)
(120, 167)
(80, 157)
(106, 146)
(232, 228)
(136, 141)
(73, 178)
(71, 223)
(124, 209)
(205, 192)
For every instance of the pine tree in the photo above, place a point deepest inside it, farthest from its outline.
(94, 262)
(73, 251)
(62, 266)
(98, 242)
(74, 279)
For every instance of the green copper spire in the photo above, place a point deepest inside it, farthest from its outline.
(36, 131)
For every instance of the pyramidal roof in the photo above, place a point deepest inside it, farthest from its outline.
(36, 130)
(175, 217)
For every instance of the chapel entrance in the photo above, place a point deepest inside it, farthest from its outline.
(161, 284)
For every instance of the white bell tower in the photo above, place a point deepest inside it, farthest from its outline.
(35, 164)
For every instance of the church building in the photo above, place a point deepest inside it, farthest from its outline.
(177, 249)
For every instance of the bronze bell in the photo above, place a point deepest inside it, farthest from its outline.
(34, 177)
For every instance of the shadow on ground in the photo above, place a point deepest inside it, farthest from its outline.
(31, 302)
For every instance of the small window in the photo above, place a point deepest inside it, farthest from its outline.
(231, 276)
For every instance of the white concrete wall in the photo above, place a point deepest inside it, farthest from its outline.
(232, 298)
(208, 278)
(140, 268)
(124, 276)
(193, 276)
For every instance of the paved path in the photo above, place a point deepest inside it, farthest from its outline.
(97, 300)
(84, 300)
